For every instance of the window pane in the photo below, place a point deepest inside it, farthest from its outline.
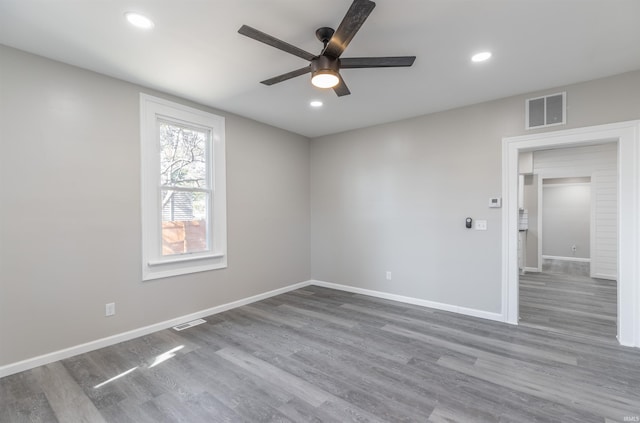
(184, 222)
(183, 156)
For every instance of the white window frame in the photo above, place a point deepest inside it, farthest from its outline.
(154, 264)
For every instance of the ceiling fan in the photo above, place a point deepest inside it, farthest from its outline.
(325, 67)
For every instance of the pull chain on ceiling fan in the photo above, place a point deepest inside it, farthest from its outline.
(325, 67)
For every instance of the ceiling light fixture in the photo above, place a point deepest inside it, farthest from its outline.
(138, 20)
(481, 57)
(324, 72)
(325, 78)
(316, 103)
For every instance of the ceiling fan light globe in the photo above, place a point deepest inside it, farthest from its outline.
(325, 79)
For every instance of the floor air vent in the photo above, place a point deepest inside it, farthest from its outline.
(189, 324)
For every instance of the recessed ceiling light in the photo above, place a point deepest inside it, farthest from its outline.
(481, 57)
(316, 103)
(138, 20)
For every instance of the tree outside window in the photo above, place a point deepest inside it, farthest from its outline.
(185, 188)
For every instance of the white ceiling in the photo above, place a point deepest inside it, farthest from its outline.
(195, 52)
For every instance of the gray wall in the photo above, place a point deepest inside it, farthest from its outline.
(70, 211)
(394, 197)
(566, 220)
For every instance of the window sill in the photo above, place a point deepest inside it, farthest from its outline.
(153, 263)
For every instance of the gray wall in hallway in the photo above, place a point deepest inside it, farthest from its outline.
(566, 219)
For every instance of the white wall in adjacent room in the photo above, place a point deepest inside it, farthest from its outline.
(566, 220)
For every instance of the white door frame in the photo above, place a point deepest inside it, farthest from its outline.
(627, 134)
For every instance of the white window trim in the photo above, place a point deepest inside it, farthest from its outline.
(155, 266)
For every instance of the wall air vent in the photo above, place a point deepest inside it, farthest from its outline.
(188, 325)
(549, 110)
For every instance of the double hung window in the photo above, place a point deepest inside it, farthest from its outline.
(183, 189)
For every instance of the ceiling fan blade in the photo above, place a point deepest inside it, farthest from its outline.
(376, 62)
(274, 42)
(351, 23)
(286, 76)
(341, 89)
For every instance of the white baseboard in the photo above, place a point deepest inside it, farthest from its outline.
(41, 360)
(416, 301)
(605, 276)
(584, 260)
(532, 269)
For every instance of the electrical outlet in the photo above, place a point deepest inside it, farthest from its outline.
(388, 276)
(481, 225)
(110, 309)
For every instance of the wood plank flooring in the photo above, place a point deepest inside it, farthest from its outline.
(564, 299)
(566, 267)
(320, 355)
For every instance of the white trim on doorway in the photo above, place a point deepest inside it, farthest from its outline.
(627, 135)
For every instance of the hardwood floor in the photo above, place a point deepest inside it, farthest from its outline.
(564, 299)
(320, 355)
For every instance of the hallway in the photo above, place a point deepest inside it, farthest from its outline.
(564, 299)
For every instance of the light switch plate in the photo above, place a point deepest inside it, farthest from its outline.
(481, 225)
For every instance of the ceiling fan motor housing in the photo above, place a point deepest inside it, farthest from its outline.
(325, 63)
(324, 72)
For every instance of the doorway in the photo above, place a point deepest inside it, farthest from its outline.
(573, 224)
(627, 136)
